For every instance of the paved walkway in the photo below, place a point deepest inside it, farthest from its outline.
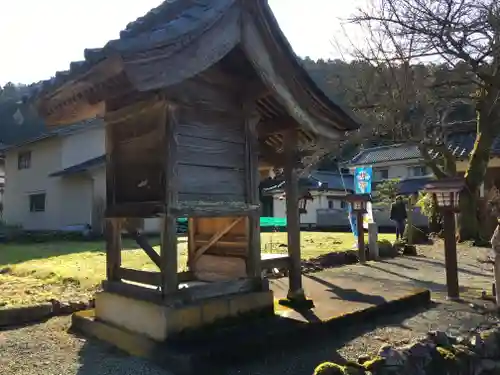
(347, 289)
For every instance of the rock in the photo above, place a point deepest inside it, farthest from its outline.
(363, 358)
(77, 306)
(64, 308)
(374, 364)
(410, 250)
(387, 249)
(476, 343)
(420, 350)
(392, 356)
(489, 364)
(491, 343)
(330, 368)
(439, 338)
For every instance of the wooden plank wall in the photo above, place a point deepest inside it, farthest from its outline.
(226, 259)
(211, 147)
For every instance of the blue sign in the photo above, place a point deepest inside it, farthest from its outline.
(363, 180)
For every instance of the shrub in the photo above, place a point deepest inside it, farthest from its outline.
(419, 237)
(386, 249)
(329, 368)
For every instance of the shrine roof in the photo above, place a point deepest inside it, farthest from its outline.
(181, 38)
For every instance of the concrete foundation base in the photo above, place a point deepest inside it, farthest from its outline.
(160, 322)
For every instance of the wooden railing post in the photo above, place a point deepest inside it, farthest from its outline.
(113, 248)
(253, 261)
(295, 291)
(169, 256)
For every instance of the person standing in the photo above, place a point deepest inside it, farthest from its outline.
(399, 215)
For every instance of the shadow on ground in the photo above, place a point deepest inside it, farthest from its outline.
(297, 354)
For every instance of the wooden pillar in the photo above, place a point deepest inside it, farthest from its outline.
(113, 248)
(169, 261)
(450, 254)
(253, 261)
(295, 291)
(361, 237)
(191, 242)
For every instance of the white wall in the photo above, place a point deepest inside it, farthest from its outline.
(396, 169)
(77, 196)
(320, 201)
(82, 146)
(19, 184)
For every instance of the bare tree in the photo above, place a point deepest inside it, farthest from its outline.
(400, 36)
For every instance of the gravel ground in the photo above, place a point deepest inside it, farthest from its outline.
(47, 348)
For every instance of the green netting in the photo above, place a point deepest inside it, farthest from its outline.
(273, 222)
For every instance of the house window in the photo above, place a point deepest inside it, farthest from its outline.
(419, 171)
(343, 205)
(37, 202)
(383, 174)
(330, 204)
(24, 160)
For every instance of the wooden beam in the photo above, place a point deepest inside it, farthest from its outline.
(191, 242)
(113, 248)
(216, 289)
(276, 126)
(252, 118)
(213, 209)
(169, 261)
(213, 240)
(132, 210)
(139, 276)
(188, 295)
(293, 217)
(143, 242)
(269, 154)
(133, 291)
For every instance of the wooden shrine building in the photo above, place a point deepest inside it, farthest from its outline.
(200, 99)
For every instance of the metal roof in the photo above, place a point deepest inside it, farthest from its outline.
(462, 144)
(413, 185)
(81, 167)
(60, 131)
(383, 154)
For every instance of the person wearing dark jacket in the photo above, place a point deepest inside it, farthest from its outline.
(398, 215)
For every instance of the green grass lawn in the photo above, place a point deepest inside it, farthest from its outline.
(68, 270)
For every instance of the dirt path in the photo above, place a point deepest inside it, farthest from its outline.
(47, 348)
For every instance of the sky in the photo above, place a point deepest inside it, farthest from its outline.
(38, 38)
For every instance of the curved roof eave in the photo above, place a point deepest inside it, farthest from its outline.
(173, 21)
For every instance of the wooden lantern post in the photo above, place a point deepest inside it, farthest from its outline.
(446, 194)
(359, 203)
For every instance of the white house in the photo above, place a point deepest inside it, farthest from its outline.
(327, 191)
(58, 179)
(397, 161)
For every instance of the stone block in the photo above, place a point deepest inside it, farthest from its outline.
(134, 315)
(250, 302)
(214, 309)
(188, 317)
